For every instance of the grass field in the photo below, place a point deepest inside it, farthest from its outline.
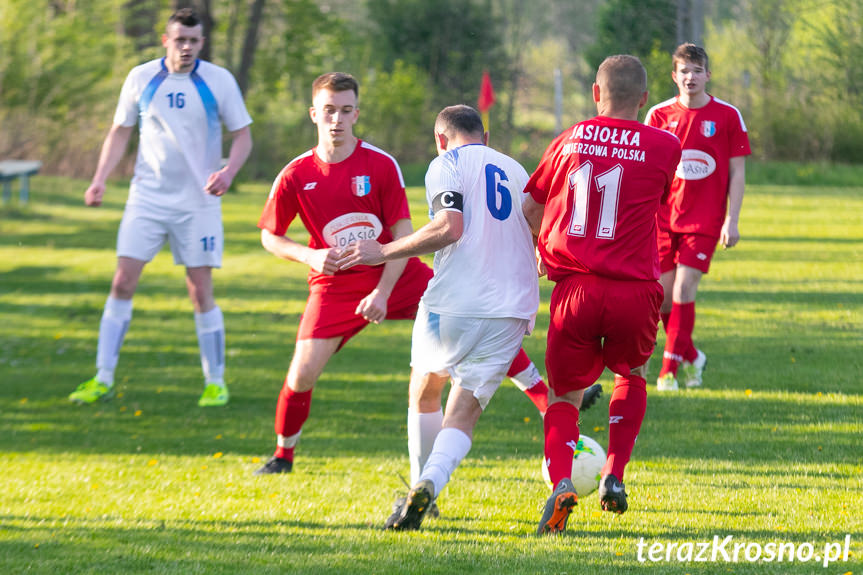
(769, 451)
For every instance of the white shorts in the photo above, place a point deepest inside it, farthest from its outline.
(196, 238)
(476, 352)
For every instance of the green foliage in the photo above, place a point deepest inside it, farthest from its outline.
(794, 68)
(659, 83)
(396, 112)
(637, 27)
(768, 450)
(795, 72)
(57, 66)
(453, 41)
(298, 43)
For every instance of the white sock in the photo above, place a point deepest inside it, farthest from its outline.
(423, 429)
(112, 329)
(450, 447)
(211, 341)
(288, 441)
(526, 379)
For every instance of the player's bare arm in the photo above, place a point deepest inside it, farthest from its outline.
(112, 152)
(241, 146)
(322, 261)
(444, 229)
(373, 307)
(730, 234)
(533, 211)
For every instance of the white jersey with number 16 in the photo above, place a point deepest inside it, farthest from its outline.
(180, 119)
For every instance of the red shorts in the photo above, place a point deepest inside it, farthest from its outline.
(596, 323)
(693, 250)
(331, 309)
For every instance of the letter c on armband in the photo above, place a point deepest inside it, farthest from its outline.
(448, 200)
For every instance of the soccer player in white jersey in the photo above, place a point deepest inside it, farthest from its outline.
(181, 103)
(482, 299)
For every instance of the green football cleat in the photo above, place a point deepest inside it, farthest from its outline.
(214, 395)
(691, 372)
(666, 382)
(91, 391)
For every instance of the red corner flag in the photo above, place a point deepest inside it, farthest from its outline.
(486, 93)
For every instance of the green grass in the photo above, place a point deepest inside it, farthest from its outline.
(769, 450)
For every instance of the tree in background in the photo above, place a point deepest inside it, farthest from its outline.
(452, 41)
(643, 28)
(795, 68)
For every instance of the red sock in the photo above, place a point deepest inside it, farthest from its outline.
(669, 360)
(519, 364)
(664, 316)
(561, 436)
(684, 336)
(625, 414)
(538, 393)
(292, 411)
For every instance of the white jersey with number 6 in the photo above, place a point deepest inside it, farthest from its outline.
(180, 120)
(491, 271)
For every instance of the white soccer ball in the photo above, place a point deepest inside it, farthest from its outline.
(587, 461)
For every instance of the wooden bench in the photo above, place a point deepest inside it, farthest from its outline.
(21, 170)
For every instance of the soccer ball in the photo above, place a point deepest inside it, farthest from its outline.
(587, 461)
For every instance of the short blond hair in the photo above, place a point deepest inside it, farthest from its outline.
(622, 80)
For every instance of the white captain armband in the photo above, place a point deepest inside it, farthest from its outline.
(448, 201)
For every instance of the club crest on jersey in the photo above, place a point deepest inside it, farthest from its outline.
(708, 128)
(361, 185)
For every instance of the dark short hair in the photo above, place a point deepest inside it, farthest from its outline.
(623, 79)
(185, 17)
(689, 52)
(459, 119)
(335, 82)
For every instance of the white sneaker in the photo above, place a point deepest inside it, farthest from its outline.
(666, 382)
(691, 372)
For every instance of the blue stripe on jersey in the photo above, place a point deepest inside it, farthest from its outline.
(150, 90)
(210, 104)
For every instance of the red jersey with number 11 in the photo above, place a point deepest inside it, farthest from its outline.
(601, 182)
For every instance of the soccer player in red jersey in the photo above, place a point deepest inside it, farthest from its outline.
(593, 203)
(703, 207)
(345, 190)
